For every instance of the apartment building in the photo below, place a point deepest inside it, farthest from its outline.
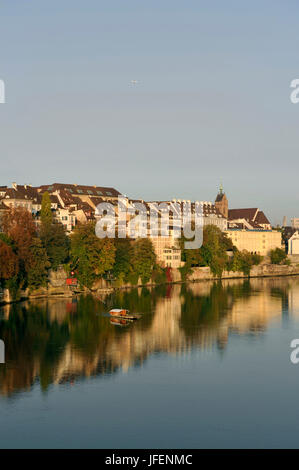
(257, 241)
(66, 218)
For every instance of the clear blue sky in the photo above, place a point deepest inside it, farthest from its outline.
(212, 103)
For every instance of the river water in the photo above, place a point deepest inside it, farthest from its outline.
(206, 366)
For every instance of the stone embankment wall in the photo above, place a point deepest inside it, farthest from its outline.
(56, 287)
(57, 281)
(263, 270)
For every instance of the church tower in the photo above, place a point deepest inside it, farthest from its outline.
(221, 202)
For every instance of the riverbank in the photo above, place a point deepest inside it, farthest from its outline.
(57, 287)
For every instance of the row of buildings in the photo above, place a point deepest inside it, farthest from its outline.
(71, 204)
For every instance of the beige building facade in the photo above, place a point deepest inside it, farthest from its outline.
(255, 241)
(167, 251)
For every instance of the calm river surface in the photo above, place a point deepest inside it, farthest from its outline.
(207, 365)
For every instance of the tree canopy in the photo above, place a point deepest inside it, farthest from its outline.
(91, 256)
(46, 215)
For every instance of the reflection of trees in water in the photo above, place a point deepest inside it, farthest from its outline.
(41, 344)
(61, 340)
(202, 315)
(33, 344)
(205, 310)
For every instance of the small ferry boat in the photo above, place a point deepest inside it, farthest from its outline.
(119, 312)
(123, 313)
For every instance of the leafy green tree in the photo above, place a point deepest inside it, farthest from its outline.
(123, 257)
(243, 261)
(143, 260)
(159, 275)
(278, 256)
(256, 259)
(56, 243)
(91, 256)
(46, 215)
(212, 253)
(53, 235)
(37, 272)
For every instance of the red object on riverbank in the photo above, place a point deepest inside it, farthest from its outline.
(71, 281)
(168, 275)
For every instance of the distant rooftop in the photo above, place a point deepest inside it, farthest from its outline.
(83, 190)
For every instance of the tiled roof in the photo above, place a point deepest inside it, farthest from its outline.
(252, 215)
(261, 218)
(78, 189)
(249, 214)
(99, 200)
(54, 199)
(66, 197)
(22, 193)
(85, 207)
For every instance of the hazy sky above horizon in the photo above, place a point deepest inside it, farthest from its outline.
(212, 102)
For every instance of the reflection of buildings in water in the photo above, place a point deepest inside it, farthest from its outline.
(58, 308)
(135, 345)
(5, 310)
(165, 333)
(293, 299)
(247, 313)
(19, 378)
(166, 330)
(253, 314)
(74, 363)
